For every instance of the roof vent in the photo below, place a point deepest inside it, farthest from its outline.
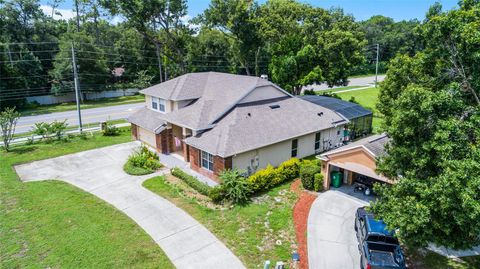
(320, 114)
(274, 106)
(264, 76)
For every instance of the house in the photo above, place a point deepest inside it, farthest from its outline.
(360, 118)
(354, 160)
(215, 121)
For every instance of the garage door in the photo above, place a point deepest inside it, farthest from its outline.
(147, 137)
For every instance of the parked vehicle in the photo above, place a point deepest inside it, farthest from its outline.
(379, 248)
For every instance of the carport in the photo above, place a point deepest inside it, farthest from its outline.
(355, 161)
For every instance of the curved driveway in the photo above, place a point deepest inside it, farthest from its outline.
(331, 241)
(186, 242)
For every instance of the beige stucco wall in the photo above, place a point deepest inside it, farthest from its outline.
(277, 153)
(262, 93)
(168, 104)
(147, 137)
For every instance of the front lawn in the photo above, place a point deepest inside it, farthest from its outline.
(114, 101)
(261, 230)
(52, 224)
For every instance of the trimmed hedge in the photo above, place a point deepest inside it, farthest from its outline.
(318, 182)
(191, 181)
(269, 177)
(308, 169)
(133, 170)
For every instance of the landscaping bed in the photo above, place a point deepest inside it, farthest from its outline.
(142, 162)
(255, 232)
(300, 219)
(51, 224)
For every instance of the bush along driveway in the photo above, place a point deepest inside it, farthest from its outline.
(185, 241)
(52, 224)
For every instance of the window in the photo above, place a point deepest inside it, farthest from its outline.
(154, 103)
(161, 105)
(317, 141)
(294, 147)
(207, 160)
(158, 104)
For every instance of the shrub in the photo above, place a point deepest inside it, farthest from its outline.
(264, 179)
(217, 194)
(318, 182)
(142, 162)
(290, 169)
(308, 169)
(46, 130)
(111, 130)
(191, 181)
(42, 129)
(236, 187)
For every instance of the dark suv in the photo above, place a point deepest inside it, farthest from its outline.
(379, 248)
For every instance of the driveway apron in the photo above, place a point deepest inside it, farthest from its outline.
(332, 243)
(185, 241)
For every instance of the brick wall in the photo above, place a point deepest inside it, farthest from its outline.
(164, 140)
(219, 164)
(134, 131)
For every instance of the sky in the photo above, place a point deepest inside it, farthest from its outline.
(360, 9)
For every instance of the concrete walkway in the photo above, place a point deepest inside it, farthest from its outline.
(331, 241)
(185, 241)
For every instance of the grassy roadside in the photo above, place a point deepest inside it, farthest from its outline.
(429, 260)
(53, 224)
(261, 230)
(46, 109)
(75, 127)
(342, 89)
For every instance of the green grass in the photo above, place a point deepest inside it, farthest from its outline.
(45, 109)
(342, 89)
(429, 259)
(52, 224)
(242, 228)
(367, 98)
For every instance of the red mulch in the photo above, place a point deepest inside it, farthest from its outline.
(300, 217)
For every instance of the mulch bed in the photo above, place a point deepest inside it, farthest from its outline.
(300, 218)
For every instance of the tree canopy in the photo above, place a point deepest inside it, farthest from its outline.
(119, 43)
(432, 114)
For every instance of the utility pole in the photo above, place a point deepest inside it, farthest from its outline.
(376, 66)
(159, 62)
(77, 89)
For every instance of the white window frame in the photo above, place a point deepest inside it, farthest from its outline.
(154, 103)
(206, 160)
(162, 104)
(294, 151)
(317, 141)
(159, 104)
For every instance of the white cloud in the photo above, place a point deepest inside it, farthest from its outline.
(63, 13)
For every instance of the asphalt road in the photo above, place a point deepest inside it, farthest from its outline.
(363, 81)
(92, 115)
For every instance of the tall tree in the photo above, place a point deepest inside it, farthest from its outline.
(237, 19)
(433, 117)
(160, 21)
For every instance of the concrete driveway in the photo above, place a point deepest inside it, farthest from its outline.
(331, 241)
(185, 241)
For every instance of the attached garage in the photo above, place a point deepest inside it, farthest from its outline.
(146, 125)
(355, 161)
(146, 136)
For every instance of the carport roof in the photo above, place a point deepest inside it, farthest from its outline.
(375, 144)
(361, 169)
